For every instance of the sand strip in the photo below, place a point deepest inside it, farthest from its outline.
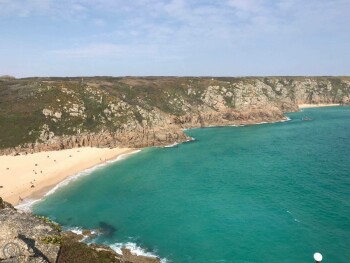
(35, 174)
(304, 106)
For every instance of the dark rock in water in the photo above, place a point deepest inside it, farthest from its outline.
(107, 229)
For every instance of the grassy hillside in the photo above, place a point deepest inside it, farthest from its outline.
(38, 109)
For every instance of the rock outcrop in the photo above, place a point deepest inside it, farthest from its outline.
(42, 114)
(28, 238)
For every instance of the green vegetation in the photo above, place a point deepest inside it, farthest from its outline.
(52, 239)
(46, 220)
(36, 109)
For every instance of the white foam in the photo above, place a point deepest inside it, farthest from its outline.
(239, 125)
(135, 250)
(76, 230)
(122, 157)
(171, 145)
(27, 204)
(190, 139)
(296, 220)
(79, 231)
(263, 122)
(286, 119)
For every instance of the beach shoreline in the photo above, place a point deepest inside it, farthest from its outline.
(306, 106)
(32, 176)
(41, 172)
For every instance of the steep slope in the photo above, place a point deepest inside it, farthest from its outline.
(54, 113)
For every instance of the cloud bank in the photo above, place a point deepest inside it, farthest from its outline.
(230, 37)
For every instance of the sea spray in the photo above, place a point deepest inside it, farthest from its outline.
(135, 250)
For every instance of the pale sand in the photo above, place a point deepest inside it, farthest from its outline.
(304, 106)
(44, 170)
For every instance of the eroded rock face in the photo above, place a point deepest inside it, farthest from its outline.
(4, 204)
(139, 112)
(26, 238)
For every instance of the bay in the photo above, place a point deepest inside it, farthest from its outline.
(262, 193)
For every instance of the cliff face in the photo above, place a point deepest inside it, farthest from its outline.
(39, 114)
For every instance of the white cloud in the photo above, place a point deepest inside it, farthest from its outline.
(176, 29)
(103, 50)
(91, 51)
(99, 22)
(247, 5)
(23, 8)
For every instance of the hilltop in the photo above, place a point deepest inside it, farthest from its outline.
(38, 114)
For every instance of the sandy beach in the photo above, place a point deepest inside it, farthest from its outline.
(304, 106)
(35, 174)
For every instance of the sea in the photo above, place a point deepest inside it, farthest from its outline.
(261, 193)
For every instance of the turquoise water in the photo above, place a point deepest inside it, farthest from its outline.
(264, 193)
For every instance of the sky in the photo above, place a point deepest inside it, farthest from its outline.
(174, 37)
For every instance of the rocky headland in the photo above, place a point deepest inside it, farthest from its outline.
(39, 114)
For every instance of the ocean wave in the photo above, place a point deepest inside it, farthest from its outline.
(135, 250)
(171, 145)
(79, 231)
(122, 157)
(286, 119)
(76, 230)
(117, 247)
(27, 203)
(191, 139)
(263, 122)
(175, 144)
(296, 220)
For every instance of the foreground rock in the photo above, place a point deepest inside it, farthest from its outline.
(28, 238)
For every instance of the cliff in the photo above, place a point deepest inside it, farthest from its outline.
(38, 114)
(28, 238)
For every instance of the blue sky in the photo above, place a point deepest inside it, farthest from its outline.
(174, 37)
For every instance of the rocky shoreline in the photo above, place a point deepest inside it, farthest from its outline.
(140, 112)
(28, 238)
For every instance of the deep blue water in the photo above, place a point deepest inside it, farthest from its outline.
(265, 193)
